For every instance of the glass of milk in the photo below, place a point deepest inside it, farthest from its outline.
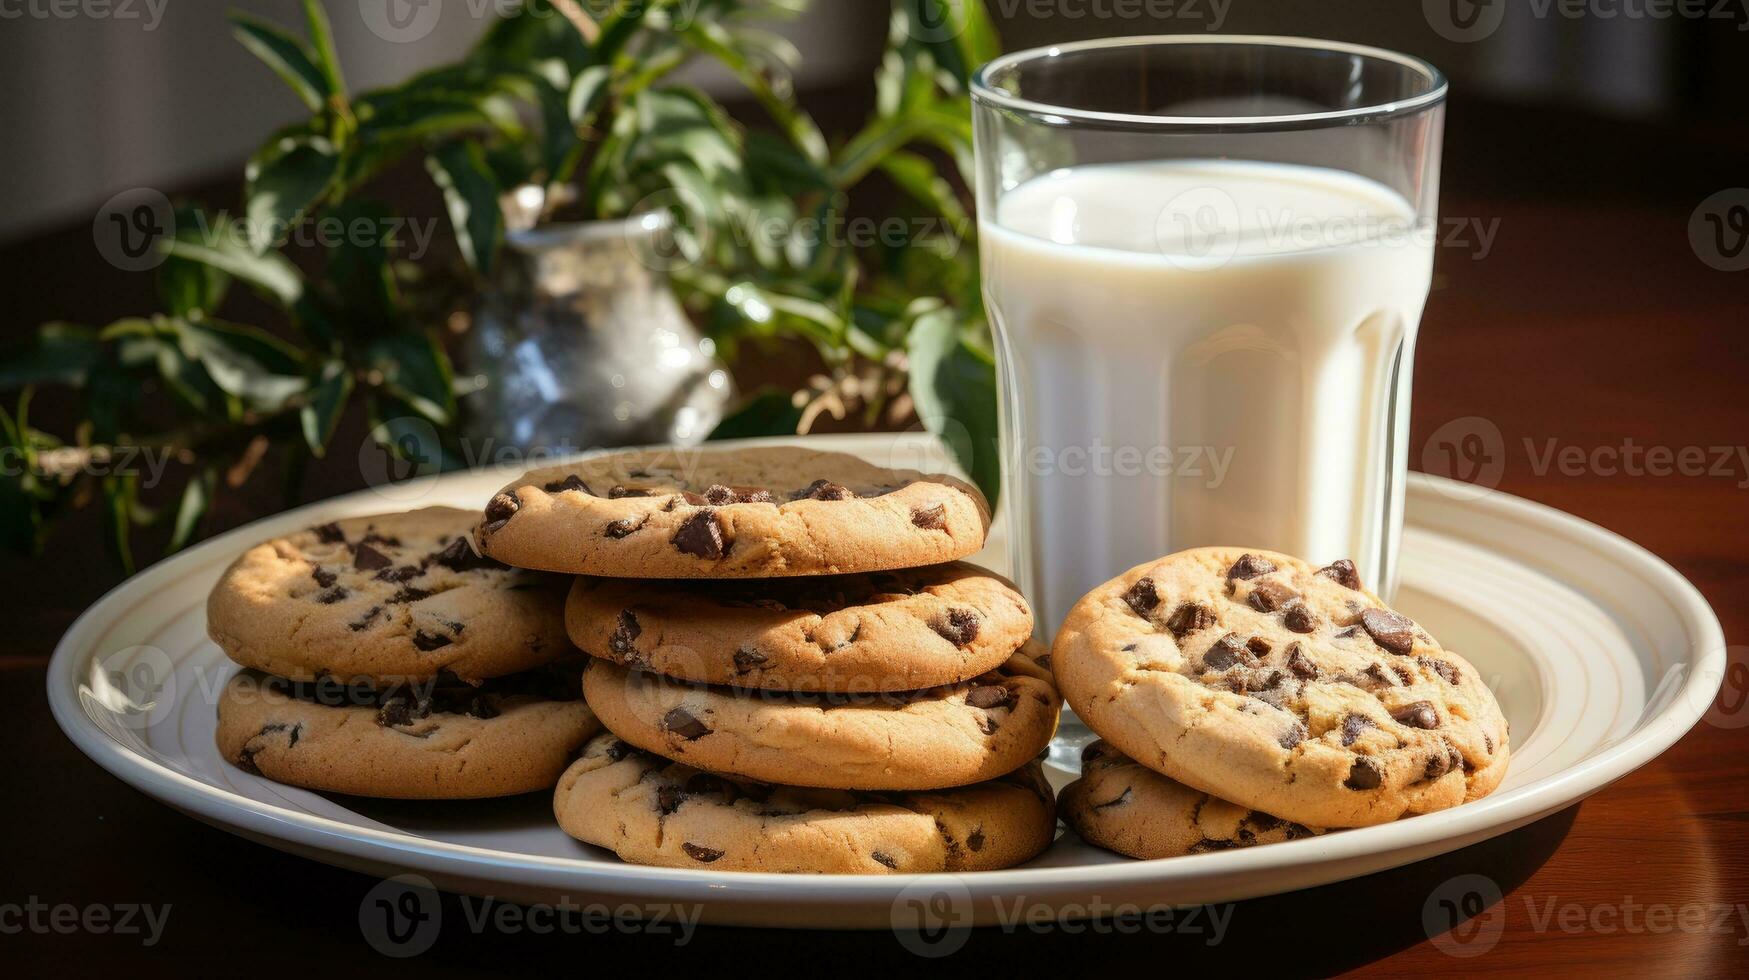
(1205, 260)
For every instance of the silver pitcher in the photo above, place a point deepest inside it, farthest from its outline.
(578, 343)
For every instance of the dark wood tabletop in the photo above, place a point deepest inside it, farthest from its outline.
(1585, 318)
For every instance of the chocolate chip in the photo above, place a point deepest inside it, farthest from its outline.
(1353, 725)
(989, 725)
(975, 840)
(428, 642)
(331, 596)
(1227, 651)
(368, 559)
(402, 574)
(375, 537)
(700, 853)
(1487, 742)
(365, 620)
(1300, 664)
(500, 509)
(957, 626)
(1364, 774)
(746, 659)
(708, 784)
(407, 593)
(1143, 597)
(329, 533)
(617, 492)
(1437, 766)
(460, 556)
(933, 518)
(1295, 734)
(1262, 821)
(682, 723)
(627, 631)
(990, 696)
(1417, 715)
(701, 536)
(1444, 669)
(1343, 573)
(1188, 618)
(1250, 566)
(1270, 596)
(1298, 617)
(1389, 630)
(884, 859)
(668, 799)
(621, 528)
(823, 490)
(569, 483)
(323, 577)
(617, 750)
(718, 495)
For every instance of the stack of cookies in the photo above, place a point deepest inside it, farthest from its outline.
(795, 671)
(385, 658)
(1249, 697)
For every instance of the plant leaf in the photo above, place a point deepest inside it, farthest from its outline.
(188, 288)
(322, 46)
(470, 193)
(954, 387)
(326, 404)
(284, 179)
(245, 362)
(416, 371)
(119, 498)
(60, 353)
(286, 55)
(770, 412)
(197, 498)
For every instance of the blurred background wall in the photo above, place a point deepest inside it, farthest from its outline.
(98, 96)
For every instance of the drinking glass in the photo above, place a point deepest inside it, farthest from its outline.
(1205, 260)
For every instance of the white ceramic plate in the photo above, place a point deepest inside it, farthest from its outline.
(1601, 655)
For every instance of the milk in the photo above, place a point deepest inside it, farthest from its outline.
(1201, 353)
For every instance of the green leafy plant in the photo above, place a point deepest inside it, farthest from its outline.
(587, 114)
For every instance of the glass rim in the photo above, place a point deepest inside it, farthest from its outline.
(985, 94)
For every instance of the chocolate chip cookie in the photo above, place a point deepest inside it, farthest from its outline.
(1280, 686)
(751, 513)
(877, 631)
(945, 736)
(418, 741)
(1123, 806)
(650, 810)
(388, 598)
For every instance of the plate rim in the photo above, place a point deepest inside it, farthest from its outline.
(320, 837)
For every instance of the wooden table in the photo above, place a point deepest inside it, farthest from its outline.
(1589, 321)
